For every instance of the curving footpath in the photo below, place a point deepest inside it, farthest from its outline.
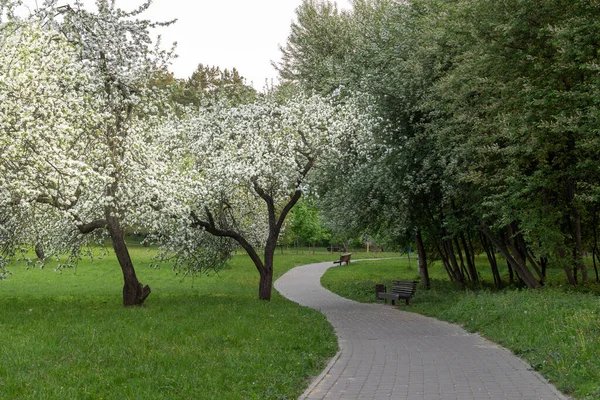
(390, 354)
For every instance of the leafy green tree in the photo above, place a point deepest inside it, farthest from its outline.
(519, 115)
(211, 82)
(376, 54)
(491, 135)
(319, 43)
(305, 223)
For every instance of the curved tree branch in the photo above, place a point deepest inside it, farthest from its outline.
(92, 226)
(211, 228)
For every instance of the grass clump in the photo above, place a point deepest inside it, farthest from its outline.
(556, 329)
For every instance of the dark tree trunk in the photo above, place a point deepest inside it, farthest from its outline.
(493, 262)
(423, 270)
(540, 272)
(445, 263)
(595, 254)
(265, 285)
(470, 259)
(134, 293)
(544, 266)
(456, 271)
(594, 257)
(471, 248)
(39, 252)
(463, 269)
(521, 268)
(571, 278)
(525, 253)
(577, 248)
(511, 273)
(518, 253)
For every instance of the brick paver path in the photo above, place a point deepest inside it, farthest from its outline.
(390, 354)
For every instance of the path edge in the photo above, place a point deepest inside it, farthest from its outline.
(316, 380)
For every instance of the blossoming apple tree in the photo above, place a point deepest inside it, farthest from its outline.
(242, 169)
(83, 148)
(42, 110)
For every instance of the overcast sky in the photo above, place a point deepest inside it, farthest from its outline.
(229, 33)
(244, 34)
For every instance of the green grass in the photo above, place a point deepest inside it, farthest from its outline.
(557, 330)
(68, 337)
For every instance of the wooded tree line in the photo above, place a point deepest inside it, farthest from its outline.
(490, 141)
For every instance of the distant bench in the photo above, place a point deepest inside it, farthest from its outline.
(401, 289)
(344, 258)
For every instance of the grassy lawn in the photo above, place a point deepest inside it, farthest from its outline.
(555, 329)
(68, 337)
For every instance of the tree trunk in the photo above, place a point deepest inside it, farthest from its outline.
(134, 293)
(423, 270)
(524, 251)
(458, 275)
(511, 273)
(570, 277)
(544, 266)
(463, 269)
(524, 273)
(493, 262)
(265, 285)
(445, 262)
(39, 251)
(470, 259)
(595, 247)
(577, 250)
(594, 257)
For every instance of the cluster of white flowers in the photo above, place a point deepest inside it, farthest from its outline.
(84, 138)
(232, 161)
(77, 117)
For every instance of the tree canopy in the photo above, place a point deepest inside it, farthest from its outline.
(490, 140)
(244, 167)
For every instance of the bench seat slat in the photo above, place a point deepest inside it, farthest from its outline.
(401, 289)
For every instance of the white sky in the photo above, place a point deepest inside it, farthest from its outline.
(244, 34)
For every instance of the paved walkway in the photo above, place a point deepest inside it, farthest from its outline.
(390, 354)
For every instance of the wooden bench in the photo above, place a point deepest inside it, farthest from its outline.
(344, 258)
(401, 289)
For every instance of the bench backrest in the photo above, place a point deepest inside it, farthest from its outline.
(404, 287)
(345, 257)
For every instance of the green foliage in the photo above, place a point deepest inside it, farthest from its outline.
(518, 106)
(490, 123)
(206, 84)
(212, 82)
(304, 224)
(319, 43)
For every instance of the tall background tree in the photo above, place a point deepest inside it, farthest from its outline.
(489, 134)
(206, 84)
